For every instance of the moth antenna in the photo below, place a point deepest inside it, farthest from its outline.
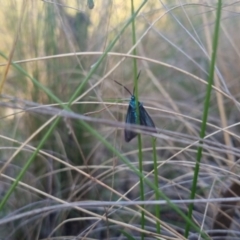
(138, 74)
(137, 80)
(124, 87)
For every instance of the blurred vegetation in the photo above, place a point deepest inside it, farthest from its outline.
(173, 51)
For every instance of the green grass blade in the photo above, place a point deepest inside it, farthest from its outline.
(157, 196)
(27, 165)
(205, 112)
(140, 158)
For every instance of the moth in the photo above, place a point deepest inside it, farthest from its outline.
(131, 117)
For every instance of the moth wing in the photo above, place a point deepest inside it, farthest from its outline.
(130, 119)
(145, 119)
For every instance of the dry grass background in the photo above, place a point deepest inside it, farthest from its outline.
(57, 45)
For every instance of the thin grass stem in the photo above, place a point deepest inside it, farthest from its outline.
(205, 112)
(157, 196)
(140, 158)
